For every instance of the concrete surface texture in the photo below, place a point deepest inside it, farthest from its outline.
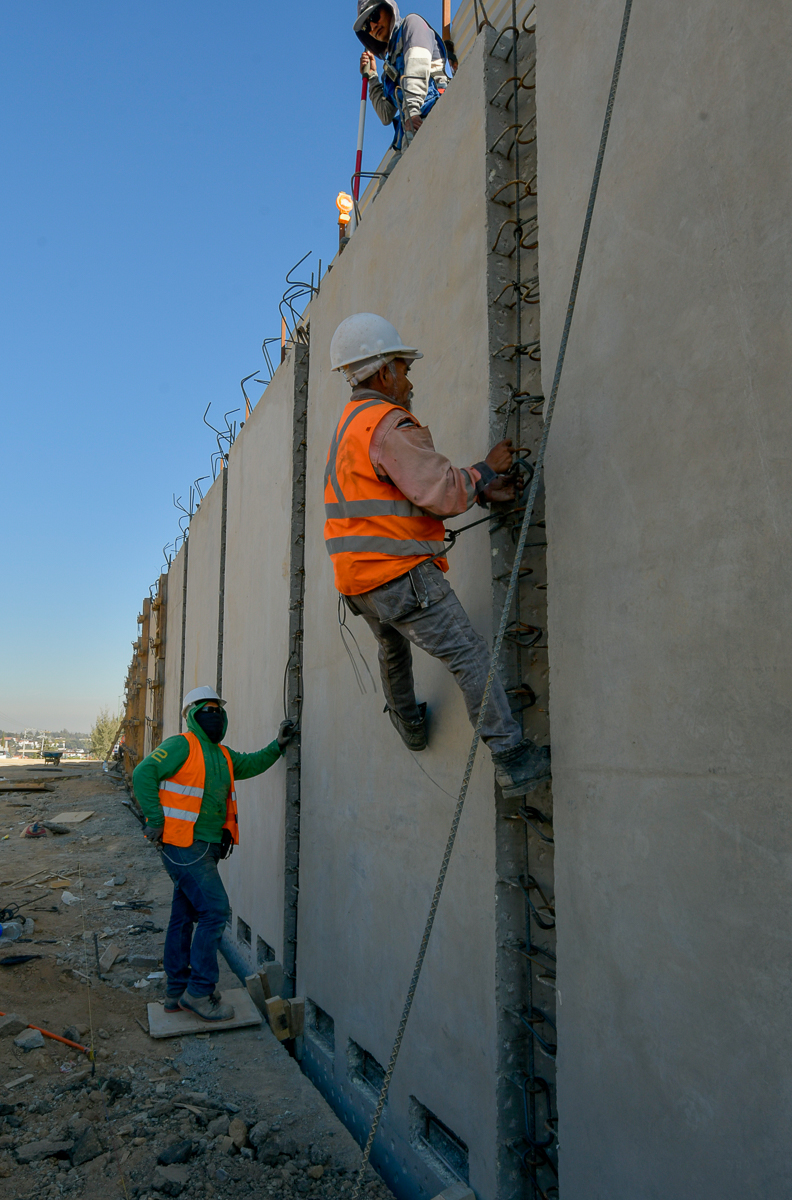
(203, 591)
(255, 653)
(669, 498)
(374, 818)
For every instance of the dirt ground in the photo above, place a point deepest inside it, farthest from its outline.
(211, 1114)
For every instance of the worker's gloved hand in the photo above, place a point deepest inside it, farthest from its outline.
(502, 489)
(226, 844)
(286, 732)
(500, 457)
(154, 835)
(368, 64)
(413, 122)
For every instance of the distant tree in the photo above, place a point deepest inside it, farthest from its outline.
(104, 732)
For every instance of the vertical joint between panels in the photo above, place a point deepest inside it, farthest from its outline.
(294, 668)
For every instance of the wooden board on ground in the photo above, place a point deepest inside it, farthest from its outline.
(164, 1025)
(72, 818)
(28, 786)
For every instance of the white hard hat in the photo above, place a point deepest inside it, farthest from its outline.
(199, 694)
(365, 342)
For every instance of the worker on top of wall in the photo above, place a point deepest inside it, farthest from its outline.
(186, 791)
(414, 62)
(386, 492)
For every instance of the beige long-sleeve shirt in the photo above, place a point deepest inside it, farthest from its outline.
(404, 452)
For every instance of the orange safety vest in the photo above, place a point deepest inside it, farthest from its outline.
(181, 796)
(372, 532)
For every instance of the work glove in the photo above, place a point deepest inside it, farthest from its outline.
(226, 844)
(154, 835)
(286, 732)
(500, 490)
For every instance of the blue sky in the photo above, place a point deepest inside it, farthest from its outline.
(165, 165)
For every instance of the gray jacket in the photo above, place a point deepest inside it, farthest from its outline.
(423, 59)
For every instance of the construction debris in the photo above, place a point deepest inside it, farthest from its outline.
(11, 1025)
(29, 1039)
(122, 1125)
(28, 786)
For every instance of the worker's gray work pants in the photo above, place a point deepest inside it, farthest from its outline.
(421, 607)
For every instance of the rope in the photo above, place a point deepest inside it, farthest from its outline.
(505, 613)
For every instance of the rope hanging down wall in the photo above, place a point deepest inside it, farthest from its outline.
(506, 607)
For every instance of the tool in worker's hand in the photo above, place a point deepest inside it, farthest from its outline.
(359, 154)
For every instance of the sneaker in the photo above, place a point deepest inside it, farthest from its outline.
(412, 733)
(208, 1008)
(172, 1004)
(522, 768)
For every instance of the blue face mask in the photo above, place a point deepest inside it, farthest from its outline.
(211, 722)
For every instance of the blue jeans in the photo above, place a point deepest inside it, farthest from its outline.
(199, 899)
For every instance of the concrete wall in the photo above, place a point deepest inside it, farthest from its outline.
(368, 822)
(669, 507)
(374, 818)
(256, 650)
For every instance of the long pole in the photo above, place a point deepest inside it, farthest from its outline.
(358, 155)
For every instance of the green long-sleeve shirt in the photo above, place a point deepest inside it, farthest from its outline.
(172, 754)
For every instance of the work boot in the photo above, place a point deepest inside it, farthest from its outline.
(172, 1004)
(208, 1008)
(412, 733)
(520, 769)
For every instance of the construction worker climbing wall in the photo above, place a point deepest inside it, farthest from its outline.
(414, 68)
(386, 492)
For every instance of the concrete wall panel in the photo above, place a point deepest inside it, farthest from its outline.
(374, 818)
(173, 637)
(203, 588)
(669, 501)
(256, 647)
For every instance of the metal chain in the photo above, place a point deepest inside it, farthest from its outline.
(504, 614)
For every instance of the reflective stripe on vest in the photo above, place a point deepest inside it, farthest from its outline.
(341, 545)
(373, 532)
(180, 814)
(181, 796)
(169, 786)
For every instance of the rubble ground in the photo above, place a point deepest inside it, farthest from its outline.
(211, 1114)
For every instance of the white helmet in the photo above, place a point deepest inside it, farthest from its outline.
(365, 342)
(199, 694)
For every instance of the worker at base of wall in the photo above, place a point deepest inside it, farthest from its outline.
(186, 791)
(386, 490)
(415, 68)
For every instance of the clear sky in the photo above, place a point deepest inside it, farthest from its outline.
(164, 165)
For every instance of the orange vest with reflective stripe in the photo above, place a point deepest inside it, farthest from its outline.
(181, 796)
(372, 531)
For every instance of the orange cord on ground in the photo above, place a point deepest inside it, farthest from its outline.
(56, 1038)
